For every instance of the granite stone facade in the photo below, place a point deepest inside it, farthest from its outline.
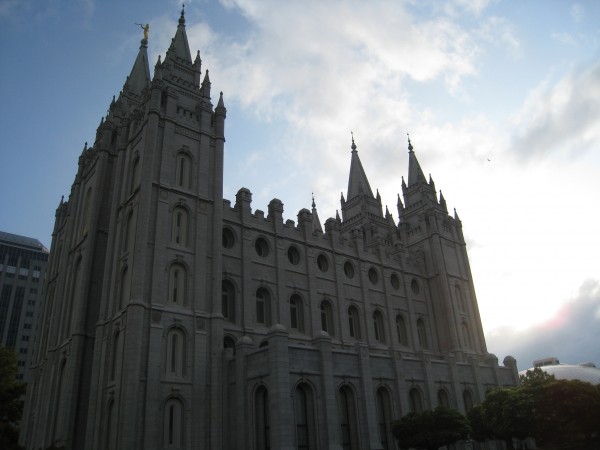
(176, 319)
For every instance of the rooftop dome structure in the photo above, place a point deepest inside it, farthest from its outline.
(586, 371)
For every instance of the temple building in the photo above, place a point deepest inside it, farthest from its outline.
(177, 319)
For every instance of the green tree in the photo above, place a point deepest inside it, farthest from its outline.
(536, 377)
(480, 429)
(11, 405)
(431, 430)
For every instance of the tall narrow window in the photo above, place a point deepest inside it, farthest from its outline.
(115, 355)
(384, 417)
(177, 284)
(111, 427)
(378, 327)
(305, 424)
(354, 323)
(125, 291)
(467, 341)
(443, 399)
(327, 318)
(129, 234)
(401, 329)
(467, 399)
(348, 425)
(262, 419)
(414, 397)
(296, 313)
(460, 299)
(183, 169)
(176, 353)
(422, 332)
(179, 231)
(173, 424)
(228, 301)
(263, 307)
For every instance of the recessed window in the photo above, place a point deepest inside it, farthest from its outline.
(262, 247)
(322, 263)
(293, 255)
(373, 276)
(349, 269)
(414, 286)
(395, 281)
(228, 238)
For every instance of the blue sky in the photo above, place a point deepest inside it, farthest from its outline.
(501, 99)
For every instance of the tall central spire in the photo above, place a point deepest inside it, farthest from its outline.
(415, 173)
(357, 182)
(179, 45)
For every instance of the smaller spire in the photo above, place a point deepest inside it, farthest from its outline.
(410, 147)
(456, 216)
(403, 183)
(182, 17)
(313, 200)
(353, 146)
(337, 216)
(443, 202)
(316, 223)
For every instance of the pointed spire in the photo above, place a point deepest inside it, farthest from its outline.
(206, 85)
(179, 46)
(357, 181)
(337, 216)
(443, 202)
(400, 207)
(316, 223)
(220, 105)
(139, 78)
(456, 216)
(415, 174)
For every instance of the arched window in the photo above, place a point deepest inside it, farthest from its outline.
(135, 174)
(111, 427)
(296, 313)
(125, 290)
(116, 351)
(229, 343)
(182, 171)
(348, 423)
(85, 218)
(305, 420)
(261, 419)
(173, 424)
(228, 301)
(415, 403)
(460, 299)
(327, 318)
(354, 323)
(401, 330)
(467, 399)
(177, 284)
(176, 353)
(263, 307)
(179, 230)
(422, 332)
(322, 263)
(378, 327)
(466, 335)
(384, 417)
(443, 399)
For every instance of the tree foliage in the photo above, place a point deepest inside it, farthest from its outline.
(431, 429)
(11, 405)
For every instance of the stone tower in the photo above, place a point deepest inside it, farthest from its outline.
(174, 320)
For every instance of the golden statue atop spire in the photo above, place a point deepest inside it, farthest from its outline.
(146, 28)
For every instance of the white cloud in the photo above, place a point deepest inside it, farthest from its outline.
(564, 38)
(577, 12)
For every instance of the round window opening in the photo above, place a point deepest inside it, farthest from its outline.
(293, 255)
(228, 238)
(322, 263)
(373, 276)
(349, 269)
(262, 247)
(414, 286)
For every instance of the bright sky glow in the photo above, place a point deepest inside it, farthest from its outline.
(501, 99)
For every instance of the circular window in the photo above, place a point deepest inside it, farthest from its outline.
(228, 238)
(373, 276)
(322, 263)
(349, 269)
(414, 286)
(395, 281)
(262, 247)
(293, 255)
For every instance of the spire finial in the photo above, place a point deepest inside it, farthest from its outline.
(313, 200)
(410, 147)
(353, 146)
(182, 17)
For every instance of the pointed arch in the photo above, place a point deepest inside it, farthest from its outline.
(422, 332)
(415, 400)
(401, 330)
(296, 313)
(176, 352)
(183, 170)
